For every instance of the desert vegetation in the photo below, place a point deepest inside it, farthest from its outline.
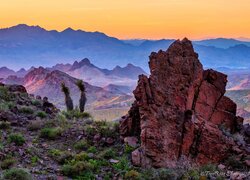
(73, 145)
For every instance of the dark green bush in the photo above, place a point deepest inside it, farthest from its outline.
(76, 114)
(16, 174)
(16, 138)
(82, 145)
(50, 133)
(36, 103)
(41, 114)
(7, 163)
(78, 169)
(4, 94)
(235, 163)
(4, 125)
(132, 175)
(107, 154)
(26, 110)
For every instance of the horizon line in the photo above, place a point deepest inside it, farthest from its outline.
(241, 38)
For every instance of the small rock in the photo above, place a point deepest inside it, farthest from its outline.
(237, 176)
(113, 161)
(221, 166)
(38, 97)
(109, 141)
(88, 121)
(131, 141)
(247, 162)
(237, 150)
(90, 155)
(97, 137)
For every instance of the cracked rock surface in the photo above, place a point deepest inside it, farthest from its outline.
(180, 112)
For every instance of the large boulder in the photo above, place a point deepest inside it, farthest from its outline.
(180, 111)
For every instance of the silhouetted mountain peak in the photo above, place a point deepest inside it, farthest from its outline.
(84, 62)
(68, 30)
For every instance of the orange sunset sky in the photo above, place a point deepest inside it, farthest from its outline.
(152, 19)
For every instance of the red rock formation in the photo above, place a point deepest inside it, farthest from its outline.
(179, 111)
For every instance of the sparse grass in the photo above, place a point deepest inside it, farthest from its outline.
(60, 156)
(128, 149)
(16, 138)
(35, 125)
(132, 175)
(123, 164)
(34, 159)
(4, 125)
(235, 163)
(50, 133)
(4, 94)
(107, 153)
(81, 145)
(26, 110)
(92, 149)
(36, 102)
(41, 114)
(16, 174)
(76, 114)
(79, 168)
(5, 106)
(7, 163)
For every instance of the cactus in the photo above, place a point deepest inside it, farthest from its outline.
(68, 100)
(83, 98)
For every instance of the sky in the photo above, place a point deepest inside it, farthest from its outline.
(128, 19)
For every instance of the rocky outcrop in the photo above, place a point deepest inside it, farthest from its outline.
(19, 107)
(180, 111)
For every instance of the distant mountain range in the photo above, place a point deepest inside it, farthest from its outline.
(105, 88)
(26, 46)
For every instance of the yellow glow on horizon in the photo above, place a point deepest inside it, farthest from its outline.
(134, 18)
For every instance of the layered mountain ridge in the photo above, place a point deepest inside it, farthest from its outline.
(23, 44)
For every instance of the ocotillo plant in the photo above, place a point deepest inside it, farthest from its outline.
(83, 98)
(68, 100)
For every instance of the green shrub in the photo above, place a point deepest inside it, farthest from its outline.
(41, 114)
(107, 129)
(132, 175)
(35, 125)
(235, 163)
(4, 125)
(34, 159)
(18, 139)
(76, 114)
(128, 149)
(62, 121)
(77, 169)
(7, 163)
(92, 149)
(82, 156)
(4, 107)
(192, 174)
(4, 93)
(90, 130)
(1, 146)
(208, 168)
(81, 145)
(36, 103)
(16, 174)
(123, 164)
(107, 154)
(50, 133)
(60, 156)
(26, 110)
